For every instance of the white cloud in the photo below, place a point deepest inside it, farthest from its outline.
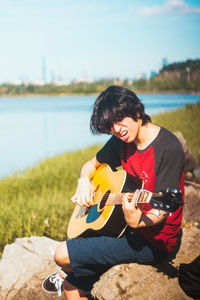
(170, 6)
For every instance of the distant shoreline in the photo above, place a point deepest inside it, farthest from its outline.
(95, 94)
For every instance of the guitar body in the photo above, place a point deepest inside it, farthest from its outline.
(102, 219)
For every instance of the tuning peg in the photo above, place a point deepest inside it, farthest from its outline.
(175, 191)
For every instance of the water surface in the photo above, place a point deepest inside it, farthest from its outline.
(32, 129)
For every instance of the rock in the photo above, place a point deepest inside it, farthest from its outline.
(126, 281)
(189, 157)
(32, 289)
(192, 204)
(189, 161)
(197, 173)
(144, 282)
(188, 175)
(181, 139)
(21, 260)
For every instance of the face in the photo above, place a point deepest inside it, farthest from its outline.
(127, 130)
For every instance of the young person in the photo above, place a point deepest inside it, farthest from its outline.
(151, 154)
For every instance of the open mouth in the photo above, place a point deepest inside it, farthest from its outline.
(123, 135)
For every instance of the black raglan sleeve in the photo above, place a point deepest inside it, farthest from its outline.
(111, 153)
(170, 163)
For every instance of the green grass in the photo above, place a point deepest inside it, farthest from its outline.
(37, 202)
(185, 120)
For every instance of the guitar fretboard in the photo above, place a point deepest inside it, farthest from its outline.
(116, 198)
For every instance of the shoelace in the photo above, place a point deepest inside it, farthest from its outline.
(58, 282)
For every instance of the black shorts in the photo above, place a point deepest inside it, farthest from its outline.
(91, 257)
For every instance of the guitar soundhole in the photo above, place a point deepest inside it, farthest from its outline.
(104, 199)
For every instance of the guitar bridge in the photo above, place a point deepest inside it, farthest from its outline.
(144, 196)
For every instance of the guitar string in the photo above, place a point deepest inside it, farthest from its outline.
(118, 198)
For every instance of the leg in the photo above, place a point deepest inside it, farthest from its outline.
(73, 293)
(62, 257)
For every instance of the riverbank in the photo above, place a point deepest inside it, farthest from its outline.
(49, 95)
(138, 92)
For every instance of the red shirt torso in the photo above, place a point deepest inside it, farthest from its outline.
(142, 166)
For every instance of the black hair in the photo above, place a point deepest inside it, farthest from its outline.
(113, 105)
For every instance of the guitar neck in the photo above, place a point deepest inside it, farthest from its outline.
(143, 197)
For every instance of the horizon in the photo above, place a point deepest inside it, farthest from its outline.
(61, 81)
(87, 39)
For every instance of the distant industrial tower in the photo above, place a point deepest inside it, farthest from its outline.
(152, 74)
(43, 70)
(164, 62)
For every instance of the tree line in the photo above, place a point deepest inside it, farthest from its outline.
(176, 77)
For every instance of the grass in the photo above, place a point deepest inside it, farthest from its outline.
(38, 201)
(185, 120)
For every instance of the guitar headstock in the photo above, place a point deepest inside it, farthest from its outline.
(169, 200)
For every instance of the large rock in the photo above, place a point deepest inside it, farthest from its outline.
(190, 163)
(126, 281)
(21, 260)
(191, 210)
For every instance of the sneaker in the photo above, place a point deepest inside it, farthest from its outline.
(53, 284)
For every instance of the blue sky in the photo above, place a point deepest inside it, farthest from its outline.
(93, 38)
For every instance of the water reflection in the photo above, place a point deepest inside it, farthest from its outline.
(32, 129)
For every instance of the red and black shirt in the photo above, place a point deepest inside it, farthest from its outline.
(160, 166)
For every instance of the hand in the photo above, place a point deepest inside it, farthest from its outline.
(83, 195)
(132, 213)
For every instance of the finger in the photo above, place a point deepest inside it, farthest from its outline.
(79, 200)
(127, 198)
(83, 201)
(126, 203)
(135, 197)
(135, 194)
(89, 198)
(74, 199)
(92, 195)
(91, 202)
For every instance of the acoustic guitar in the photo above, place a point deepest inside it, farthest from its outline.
(106, 217)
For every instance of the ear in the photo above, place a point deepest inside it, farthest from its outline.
(138, 115)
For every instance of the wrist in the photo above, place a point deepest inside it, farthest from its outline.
(83, 178)
(134, 221)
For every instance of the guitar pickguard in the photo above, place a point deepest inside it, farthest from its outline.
(93, 215)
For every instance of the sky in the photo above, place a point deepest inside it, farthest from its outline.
(95, 38)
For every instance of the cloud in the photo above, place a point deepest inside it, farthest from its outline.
(170, 6)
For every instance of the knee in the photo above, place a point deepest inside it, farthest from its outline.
(61, 256)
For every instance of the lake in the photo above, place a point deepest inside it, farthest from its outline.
(35, 128)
